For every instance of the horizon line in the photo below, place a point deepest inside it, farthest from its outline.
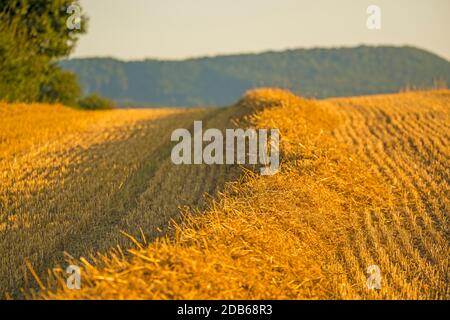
(256, 52)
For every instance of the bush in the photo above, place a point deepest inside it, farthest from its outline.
(95, 102)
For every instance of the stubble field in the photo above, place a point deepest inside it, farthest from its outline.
(363, 181)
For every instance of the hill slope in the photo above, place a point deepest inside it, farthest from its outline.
(363, 182)
(216, 81)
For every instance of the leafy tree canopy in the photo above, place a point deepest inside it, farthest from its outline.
(33, 35)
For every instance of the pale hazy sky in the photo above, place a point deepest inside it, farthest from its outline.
(174, 29)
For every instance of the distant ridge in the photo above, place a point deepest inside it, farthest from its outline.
(220, 80)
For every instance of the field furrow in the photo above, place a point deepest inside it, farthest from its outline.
(405, 141)
(76, 191)
(363, 184)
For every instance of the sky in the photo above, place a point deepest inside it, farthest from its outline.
(179, 29)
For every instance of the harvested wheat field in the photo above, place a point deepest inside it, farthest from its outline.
(71, 181)
(363, 181)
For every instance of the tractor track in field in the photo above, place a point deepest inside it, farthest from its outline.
(75, 193)
(404, 141)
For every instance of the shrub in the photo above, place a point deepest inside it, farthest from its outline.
(95, 102)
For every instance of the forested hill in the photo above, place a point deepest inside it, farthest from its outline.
(221, 80)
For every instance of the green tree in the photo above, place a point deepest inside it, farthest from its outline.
(33, 35)
(45, 24)
(60, 87)
(21, 71)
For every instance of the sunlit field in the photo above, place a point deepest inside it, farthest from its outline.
(363, 181)
(72, 181)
